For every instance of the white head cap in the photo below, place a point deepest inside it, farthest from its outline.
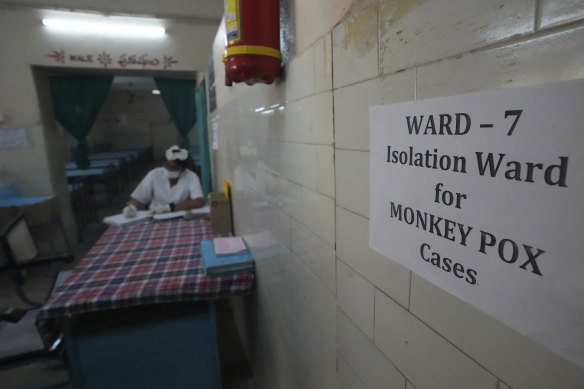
(175, 152)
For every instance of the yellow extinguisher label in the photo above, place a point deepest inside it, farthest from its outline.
(233, 21)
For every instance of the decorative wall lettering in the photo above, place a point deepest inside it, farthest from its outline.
(142, 60)
(169, 61)
(57, 55)
(105, 59)
(81, 58)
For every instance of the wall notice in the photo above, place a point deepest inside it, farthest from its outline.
(483, 195)
(14, 138)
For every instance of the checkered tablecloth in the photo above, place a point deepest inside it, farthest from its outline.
(147, 263)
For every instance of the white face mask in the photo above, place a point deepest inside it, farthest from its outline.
(172, 174)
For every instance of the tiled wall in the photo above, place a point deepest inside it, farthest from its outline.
(329, 312)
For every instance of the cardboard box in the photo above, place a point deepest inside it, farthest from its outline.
(220, 213)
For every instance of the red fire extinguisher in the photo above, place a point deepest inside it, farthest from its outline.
(253, 41)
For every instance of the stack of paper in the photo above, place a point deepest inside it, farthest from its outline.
(120, 219)
(169, 215)
(197, 212)
(232, 256)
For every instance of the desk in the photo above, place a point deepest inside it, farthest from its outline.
(94, 164)
(83, 202)
(129, 160)
(130, 154)
(93, 172)
(104, 178)
(139, 278)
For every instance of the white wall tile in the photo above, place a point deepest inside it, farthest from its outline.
(353, 249)
(272, 219)
(308, 314)
(355, 48)
(307, 331)
(320, 300)
(287, 196)
(310, 72)
(296, 162)
(398, 87)
(347, 378)
(352, 180)
(418, 32)
(329, 346)
(355, 297)
(243, 212)
(502, 386)
(426, 359)
(325, 170)
(554, 12)
(309, 120)
(291, 342)
(547, 59)
(492, 344)
(352, 105)
(268, 153)
(315, 18)
(262, 110)
(318, 256)
(371, 366)
(318, 215)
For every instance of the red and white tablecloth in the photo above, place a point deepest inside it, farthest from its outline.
(148, 263)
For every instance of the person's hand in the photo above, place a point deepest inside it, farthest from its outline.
(130, 211)
(154, 209)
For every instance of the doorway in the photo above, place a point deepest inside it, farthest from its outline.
(132, 117)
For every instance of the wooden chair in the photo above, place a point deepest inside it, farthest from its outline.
(20, 342)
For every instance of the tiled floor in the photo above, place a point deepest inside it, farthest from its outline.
(235, 370)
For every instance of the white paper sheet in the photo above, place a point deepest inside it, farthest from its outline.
(503, 235)
(120, 219)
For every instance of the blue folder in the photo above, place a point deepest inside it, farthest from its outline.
(225, 264)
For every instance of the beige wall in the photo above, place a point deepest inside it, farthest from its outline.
(38, 170)
(329, 312)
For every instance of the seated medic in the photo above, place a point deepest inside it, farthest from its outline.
(169, 188)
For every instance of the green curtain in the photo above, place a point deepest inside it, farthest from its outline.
(179, 99)
(77, 101)
(204, 141)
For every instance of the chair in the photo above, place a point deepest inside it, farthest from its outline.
(19, 259)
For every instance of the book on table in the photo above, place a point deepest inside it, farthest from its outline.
(215, 264)
(228, 245)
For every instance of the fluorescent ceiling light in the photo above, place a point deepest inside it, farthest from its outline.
(155, 92)
(103, 27)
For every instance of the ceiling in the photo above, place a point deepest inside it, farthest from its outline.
(190, 11)
(195, 11)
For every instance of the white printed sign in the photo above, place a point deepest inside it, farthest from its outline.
(14, 138)
(483, 195)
